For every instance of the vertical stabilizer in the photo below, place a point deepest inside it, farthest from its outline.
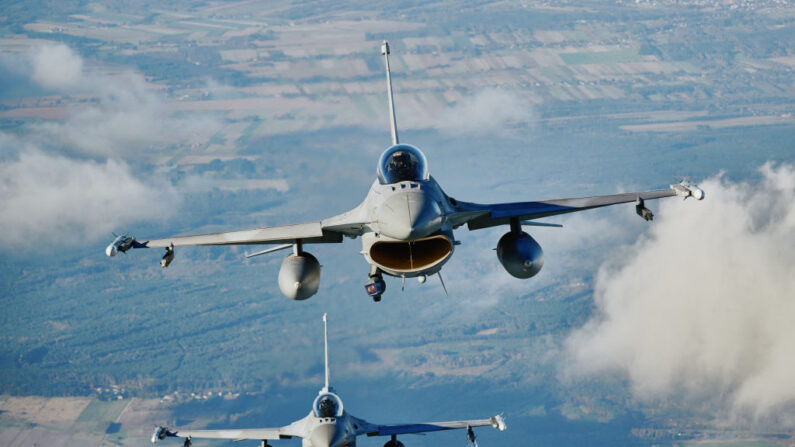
(392, 119)
(325, 344)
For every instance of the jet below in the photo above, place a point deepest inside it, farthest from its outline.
(328, 424)
(406, 224)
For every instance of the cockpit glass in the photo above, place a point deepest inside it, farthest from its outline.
(402, 163)
(327, 406)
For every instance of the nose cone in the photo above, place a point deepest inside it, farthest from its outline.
(111, 250)
(325, 435)
(408, 216)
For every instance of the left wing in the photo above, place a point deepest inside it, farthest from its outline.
(478, 216)
(385, 430)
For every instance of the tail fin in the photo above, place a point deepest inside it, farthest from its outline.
(325, 343)
(392, 119)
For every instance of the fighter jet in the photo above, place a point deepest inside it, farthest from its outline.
(406, 224)
(328, 424)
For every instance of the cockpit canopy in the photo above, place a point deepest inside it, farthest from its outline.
(327, 405)
(401, 163)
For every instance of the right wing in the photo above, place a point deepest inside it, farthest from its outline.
(296, 429)
(235, 434)
(330, 230)
(311, 232)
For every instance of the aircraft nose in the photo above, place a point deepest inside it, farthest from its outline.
(325, 435)
(408, 216)
(111, 250)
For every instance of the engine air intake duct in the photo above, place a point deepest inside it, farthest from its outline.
(411, 256)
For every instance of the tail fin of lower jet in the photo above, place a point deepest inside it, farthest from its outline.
(325, 344)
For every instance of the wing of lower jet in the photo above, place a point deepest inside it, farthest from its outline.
(401, 429)
(478, 216)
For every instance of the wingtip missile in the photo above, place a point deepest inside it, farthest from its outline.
(498, 422)
(160, 433)
(685, 189)
(122, 243)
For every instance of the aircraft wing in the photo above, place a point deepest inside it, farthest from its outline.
(325, 231)
(385, 430)
(311, 232)
(478, 216)
(235, 434)
(244, 434)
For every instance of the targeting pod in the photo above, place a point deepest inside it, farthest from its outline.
(375, 287)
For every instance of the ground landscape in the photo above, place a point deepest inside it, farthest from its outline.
(219, 115)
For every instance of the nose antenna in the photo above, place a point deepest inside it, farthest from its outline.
(392, 119)
(325, 344)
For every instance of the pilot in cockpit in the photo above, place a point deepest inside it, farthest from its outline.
(402, 163)
(401, 166)
(327, 407)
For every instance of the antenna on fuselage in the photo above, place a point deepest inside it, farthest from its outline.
(325, 344)
(392, 119)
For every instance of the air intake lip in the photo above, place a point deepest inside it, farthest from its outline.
(411, 256)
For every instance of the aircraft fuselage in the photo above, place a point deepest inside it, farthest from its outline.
(409, 233)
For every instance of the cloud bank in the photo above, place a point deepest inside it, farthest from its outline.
(65, 181)
(56, 67)
(50, 199)
(702, 308)
(487, 112)
(126, 117)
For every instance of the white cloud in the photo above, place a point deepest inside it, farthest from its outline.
(488, 112)
(125, 116)
(50, 192)
(56, 66)
(128, 125)
(128, 119)
(49, 199)
(701, 309)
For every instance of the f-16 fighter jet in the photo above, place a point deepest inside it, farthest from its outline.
(328, 424)
(406, 224)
